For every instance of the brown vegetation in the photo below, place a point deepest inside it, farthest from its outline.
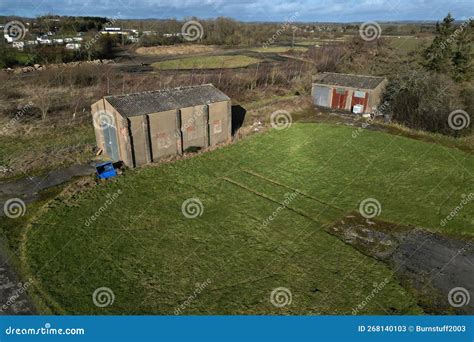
(180, 49)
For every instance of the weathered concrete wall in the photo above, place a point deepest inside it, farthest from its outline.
(374, 95)
(140, 140)
(148, 138)
(164, 134)
(99, 137)
(123, 135)
(219, 119)
(193, 127)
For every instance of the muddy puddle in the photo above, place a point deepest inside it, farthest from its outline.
(438, 270)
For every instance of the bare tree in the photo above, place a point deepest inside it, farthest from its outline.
(43, 100)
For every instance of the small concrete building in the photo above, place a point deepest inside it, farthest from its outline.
(144, 127)
(354, 93)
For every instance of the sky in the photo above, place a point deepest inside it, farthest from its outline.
(248, 10)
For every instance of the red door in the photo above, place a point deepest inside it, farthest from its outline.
(339, 97)
(359, 97)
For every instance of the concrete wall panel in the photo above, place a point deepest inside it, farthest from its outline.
(219, 118)
(193, 127)
(138, 128)
(164, 134)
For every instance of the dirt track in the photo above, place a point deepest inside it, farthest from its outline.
(28, 188)
(13, 297)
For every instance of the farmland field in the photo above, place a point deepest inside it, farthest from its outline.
(154, 258)
(207, 62)
(181, 49)
(408, 44)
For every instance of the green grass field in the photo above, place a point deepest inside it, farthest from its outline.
(153, 258)
(207, 62)
(408, 44)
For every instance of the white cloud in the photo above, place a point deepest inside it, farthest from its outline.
(277, 10)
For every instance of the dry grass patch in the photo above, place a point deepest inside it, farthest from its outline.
(181, 49)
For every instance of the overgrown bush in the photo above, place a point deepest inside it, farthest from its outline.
(424, 100)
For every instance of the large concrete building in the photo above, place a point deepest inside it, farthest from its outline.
(144, 127)
(355, 93)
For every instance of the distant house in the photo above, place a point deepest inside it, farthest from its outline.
(114, 30)
(355, 93)
(19, 45)
(73, 46)
(44, 40)
(144, 127)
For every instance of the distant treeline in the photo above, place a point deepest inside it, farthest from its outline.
(226, 31)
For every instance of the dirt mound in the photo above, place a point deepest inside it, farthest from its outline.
(182, 49)
(435, 267)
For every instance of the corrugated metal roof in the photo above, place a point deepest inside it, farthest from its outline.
(348, 80)
(165, 99)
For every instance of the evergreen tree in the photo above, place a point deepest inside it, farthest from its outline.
(438, 55)
(450, 51)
